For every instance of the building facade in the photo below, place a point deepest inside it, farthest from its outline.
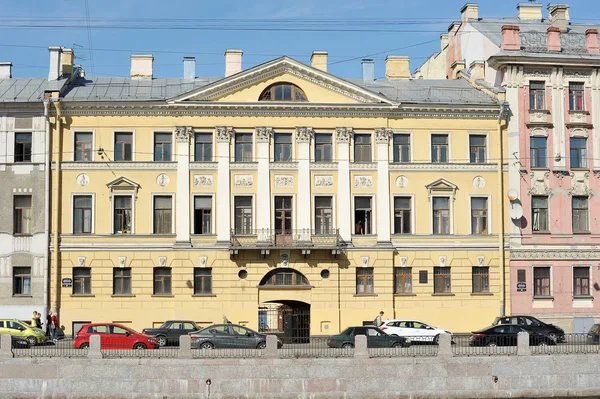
(280, 187)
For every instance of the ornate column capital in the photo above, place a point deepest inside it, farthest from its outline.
(263, 134)
(343, 134)
(304, 134)
(183, 133)
(224, 133)
(383, 135)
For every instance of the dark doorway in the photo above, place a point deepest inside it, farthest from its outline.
(289, 320)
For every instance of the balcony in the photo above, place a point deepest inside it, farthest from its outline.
(288, 239)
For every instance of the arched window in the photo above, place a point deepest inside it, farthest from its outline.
(282, 92)
(284, 277)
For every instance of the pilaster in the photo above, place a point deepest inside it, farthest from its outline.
(558, 115)
(344, 216)
(223, 190)
(182, 223)
(304, 137)
(263, 195)
(382, 138)
(596, 118)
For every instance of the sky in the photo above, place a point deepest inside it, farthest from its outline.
(263, 29)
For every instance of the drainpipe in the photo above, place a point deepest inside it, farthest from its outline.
(47, 211)
(56, 204)
(501, 214)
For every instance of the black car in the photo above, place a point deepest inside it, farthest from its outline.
(593, 336)
(376, 338)
(229, 336)
(170, 331)
(531, 324)
(506, 335)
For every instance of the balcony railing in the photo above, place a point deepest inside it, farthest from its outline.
(302, 238)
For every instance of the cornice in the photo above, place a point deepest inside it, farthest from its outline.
(566, 254)
(243, 165)
(203, 165)
(323, 166)
(283, 165)
(481, 167)
(363, 166)
(118, 165)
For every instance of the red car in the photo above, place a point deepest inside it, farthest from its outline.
(113, 336)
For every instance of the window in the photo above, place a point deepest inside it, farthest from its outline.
(364, 280)
(363, 215)
(163, 214)
(538, 152)
(402, 219)
(282, 92)
(22, 214)
(477, 148)
(122, 214)
(323, 215)
(202, 281)
(481, 280)
(362, 148)
(203, 147)
(401, 148)
(83, 147)
(479, 216)
(441, 215)
(283, 147)
(580, 214)
(82, 214)
(283, 215)
(82, 281)
(162, 281)
(521, 276)
(202, 215)
(284, 278)
(122, 281)
(243, 215)
(578, 152)
(537, 95)
(162, 146)
(243, 147)
(581, 281)
(539, 213)
(576, 95)
(22, 147)
(403, 280)
(123, 146)
(323, 147)
(21, 280)
(541, 281)
(439, 148)
(441, 280)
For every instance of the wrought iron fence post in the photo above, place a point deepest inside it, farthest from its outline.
(360, 346)
(271, 350)
(185, 347)
(6, 347)
(94, 350)
(523, 348)
(445, 345)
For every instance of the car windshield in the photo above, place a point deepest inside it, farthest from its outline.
(166, 324)
(347, 331)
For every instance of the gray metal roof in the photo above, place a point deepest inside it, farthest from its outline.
(27, 89)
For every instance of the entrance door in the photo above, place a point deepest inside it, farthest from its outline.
(283, 220)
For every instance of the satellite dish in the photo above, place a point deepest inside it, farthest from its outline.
(513, 194)
(516, 211)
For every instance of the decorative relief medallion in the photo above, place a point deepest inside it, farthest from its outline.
(304, 134)
(403, 261)
(162, 261)
(343, 134)
(443, 261)
(83, 179)
(263, 134)
(224, 133)
(480, 260)
(401, 181)
(537, 73)
(383, 135)
(363, 181)
(183, 133)
(284, 181)
(323, 181)
(81, 261)
(243, 180)
(163, 180)
(203, 261)
(539, 131)
(203, 180)
(539, 184)
(578, 131)
(364, 261)
(479, 182)
(538, 116)
(570, 73)
(580, 184)
(122, 260)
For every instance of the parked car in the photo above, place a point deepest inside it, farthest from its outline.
(20, 342)
(219, 336)
(532, 324)
(506, 335)
(17, 328)
(171, 330)
(113, 336)
(416, 330)
(376, 338)
(593, 335)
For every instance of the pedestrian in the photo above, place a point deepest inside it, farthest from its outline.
(226, 320)
(358, 229)
(54, 327)
(33, 317)
(379, 319)
(49, 324)
(38, 320)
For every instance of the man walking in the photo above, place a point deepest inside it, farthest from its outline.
(54, 327)
(379, 319)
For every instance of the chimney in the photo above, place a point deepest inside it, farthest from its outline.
(554, 38)
(233, 61)
(318, 60)
(444, 40)
(141, 66)
(510, 38)
(456, 67)
(67, 61)
(529, 11)
(469, 11)
(397, 67)
(55, 63)
(368, 69)
(591, 37)
(6, 69)
(189, 68)
(477, 70)
(559, 16)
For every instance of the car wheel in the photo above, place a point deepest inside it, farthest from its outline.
(85, 345)
(207, 345)
(347, 345)
(396, 344)
(32, 341)
(261, 345)
(162, 341)
(492, 344)
(436, 339)
(139, 345)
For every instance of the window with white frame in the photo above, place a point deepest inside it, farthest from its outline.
(537, 95)
(580, 214)
(401, 148)
(581, 281)
(363, 215)
(282, 147)
(163, 143)
(323, 147)
(362, 148)
(402, 215)
(539, 213)
(578, 152)
(441, 215)
(21, 280)
(82, 214)
(22, 214)
(576, 96)
(122, 214)
(83, 146)
(439, 148)
(323, 215)
(163, 214)
(123, 146)
(243, 147)
(202, 214)
(541, 282)
(538, 152)
(243, 214)
(23, 147)
(479, 215)
(477, 148)
(203, 143)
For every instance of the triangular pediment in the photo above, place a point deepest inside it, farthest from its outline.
(123, 183)
(246, 86)
(442, 185)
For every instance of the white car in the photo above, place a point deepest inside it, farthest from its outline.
(416, 330)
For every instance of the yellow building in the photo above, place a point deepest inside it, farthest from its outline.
(277, 187)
